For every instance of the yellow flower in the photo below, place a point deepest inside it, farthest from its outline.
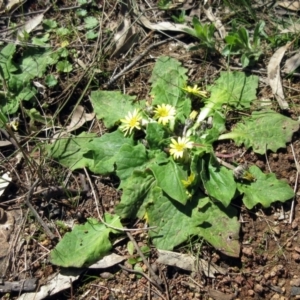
(193, 115)
(164, 113)
(64, 44)
(131, 121)
(195, 91)
(178, 147)
(189, 180)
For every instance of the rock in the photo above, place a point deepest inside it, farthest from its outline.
(295, 282)
(295, 224)
(251, 292)
(296, 256)
(276, 230)
(248, 251)
(297, 249)
(295, 291)
(258, 289)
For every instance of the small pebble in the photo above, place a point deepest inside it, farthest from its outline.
(296, 256)
(258, 288)
(106, 275)
(295, 282)
(248, 251)
(276, 230)
(295, 224)
(297, 249)
(251, 292)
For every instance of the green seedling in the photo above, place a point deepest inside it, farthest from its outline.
(239, 43)
(180, 18)
(205, 34)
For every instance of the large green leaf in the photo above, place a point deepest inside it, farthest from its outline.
(264, 130)
(168, 78)
(112, 106)
(85, 244)
(135, 191)
(88, 150)
(265, 190)
(105, 150)
(73, 152)
(175, 222)
(217, 180)
(235, 89)
(130, 158)
(169, 177)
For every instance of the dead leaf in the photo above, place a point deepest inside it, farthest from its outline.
(108, 261)
(218, 24)
(274, 76)
(163, 26)
(30, 25)
(189, 263)
(55, 284)
(294, 28)
(79, 117)
(295, 5)
(13, 3)
(124, 37)
(292, 63)
(217, 295)
(5, 180)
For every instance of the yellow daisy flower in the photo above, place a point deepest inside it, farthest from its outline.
(131, 121)
(178, 147)
(164, 113)
(195, 91)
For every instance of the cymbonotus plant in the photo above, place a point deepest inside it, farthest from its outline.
(162, 150)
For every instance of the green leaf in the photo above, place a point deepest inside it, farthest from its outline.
(105, 151)
(111, 106)
(134, 197)
(155, 135)
(221, 229)
(168, 78)
(64, 66)
(51, 80)
(33, 64)
(73, 152)
(245, 60)
(86, 243)
(231, 88)
(63, 31)
(264, 130)
(50, 24)
(218, 181)
(175, 222)
(235, 89)
(91, 35)
(130, 158)
(81, 12)
(90, 22)
(169, 178)
(130, 248)
(265, 190)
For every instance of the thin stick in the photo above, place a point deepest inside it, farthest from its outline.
(144, 275)
(99, 215)
(34, 212)
(138, 58)
(295, 186)
(156, 278)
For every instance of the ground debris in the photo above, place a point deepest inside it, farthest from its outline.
(27, 285)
